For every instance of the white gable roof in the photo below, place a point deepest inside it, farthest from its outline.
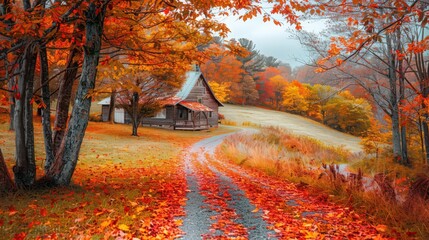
(105, 101)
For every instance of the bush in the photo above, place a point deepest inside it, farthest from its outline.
(95, 117)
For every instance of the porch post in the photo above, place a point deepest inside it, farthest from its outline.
(207, 119)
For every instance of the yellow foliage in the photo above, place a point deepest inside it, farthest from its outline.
(221, 90)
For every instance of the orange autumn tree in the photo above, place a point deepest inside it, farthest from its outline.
(264, 86)
(222, 71)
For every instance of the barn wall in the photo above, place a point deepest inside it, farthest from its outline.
(201, 92)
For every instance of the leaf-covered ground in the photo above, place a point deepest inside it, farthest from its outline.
(140, 187)
(123, 187)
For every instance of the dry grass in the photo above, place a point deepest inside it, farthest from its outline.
(297, 159)
(280, 153)
(119, 181)
(228, 122)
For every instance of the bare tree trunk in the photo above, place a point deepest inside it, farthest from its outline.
(393, 100)
(66, 158)
(25, 168)
(6, 183)
(65, 92)
(111, 118)
(46, 111)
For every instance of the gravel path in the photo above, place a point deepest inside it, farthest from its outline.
(293, 123)
(202, 214)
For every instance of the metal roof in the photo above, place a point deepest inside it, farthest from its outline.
(195, 106)
(105, 101)
(191, 79)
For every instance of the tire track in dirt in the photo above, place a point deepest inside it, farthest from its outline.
(216, 206)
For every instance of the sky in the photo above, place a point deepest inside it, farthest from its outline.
(272, 40)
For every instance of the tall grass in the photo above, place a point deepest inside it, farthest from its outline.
(306, 161)
(278, 152)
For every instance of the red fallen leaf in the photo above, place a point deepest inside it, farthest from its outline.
(18, 96)
(1, 222)
(34, 223)
(32, 206)
(127, 209)
(411, 234)
(20, 236)
(166, 10)
(43, 212)
(12, 211)
(98, 212)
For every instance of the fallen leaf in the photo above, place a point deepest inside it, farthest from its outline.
(105, 224)
(43, 212)
(381, 228)
(124, 227)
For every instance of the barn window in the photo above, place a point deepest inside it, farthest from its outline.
(210, 114)
(199, 99)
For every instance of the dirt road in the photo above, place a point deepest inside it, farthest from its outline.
(225, 201)
(295, 124)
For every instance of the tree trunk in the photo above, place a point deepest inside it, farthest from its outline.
(135, 128)
(393, 101)
(12, 104)
(6, 183)
(404, 147)
(111, 118)
(64, 93)
(135, 114)
(425, 91)
(25, 168)
(46, 110)
(66, 159)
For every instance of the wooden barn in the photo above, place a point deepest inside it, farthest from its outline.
(194, 107)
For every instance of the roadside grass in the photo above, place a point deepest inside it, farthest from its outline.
(278, 152)
(123, 186)
(275, 152)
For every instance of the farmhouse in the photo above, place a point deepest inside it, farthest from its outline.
(194, 107)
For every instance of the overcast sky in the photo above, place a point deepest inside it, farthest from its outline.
(272, 40)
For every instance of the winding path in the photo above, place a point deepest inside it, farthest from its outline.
(225, 201)
(205, 208)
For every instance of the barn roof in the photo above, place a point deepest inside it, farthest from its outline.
(105, 101)
(195, 106)
(191, 80)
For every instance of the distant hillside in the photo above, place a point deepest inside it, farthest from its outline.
(294, 123)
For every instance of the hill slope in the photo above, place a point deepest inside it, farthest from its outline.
(295, 124)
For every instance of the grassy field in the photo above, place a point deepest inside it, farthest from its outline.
(123, 186)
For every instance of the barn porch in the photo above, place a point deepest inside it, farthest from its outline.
(192, 116)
